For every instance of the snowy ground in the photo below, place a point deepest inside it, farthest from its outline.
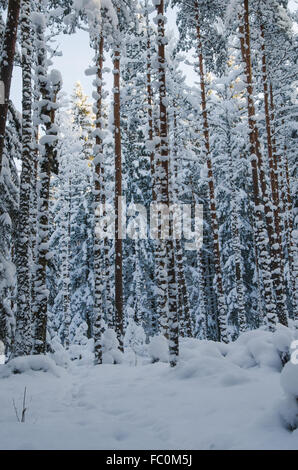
(219, 397)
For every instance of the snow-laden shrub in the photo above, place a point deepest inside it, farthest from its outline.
(110, 348)
(263, 348)
(59, 354)
(158, 349)
(80, 336)
(135, 338)
(289, 406)
(83, 352)
(22, 364)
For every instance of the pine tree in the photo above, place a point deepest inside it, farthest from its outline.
(166, 247)
(7, 54)
(23, 344)
(48, 85)
(196, 11)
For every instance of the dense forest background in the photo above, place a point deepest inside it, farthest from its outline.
(229, 142)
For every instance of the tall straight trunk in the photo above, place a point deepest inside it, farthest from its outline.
(159, 252)
(160, 320)
(65, 249)
(162, 191)
(118, 205)
(236, 242)
(256, 163)
(8, 53)
(238, 268)
(183, 298)
(276, 248)
(97, 248)
(47, 162)
(138, 317)
(23, 340)
(282, 171)
(201, 326)
(291, 241)
(33, 208)
(150, 105)
(182, 289)
(222, 313)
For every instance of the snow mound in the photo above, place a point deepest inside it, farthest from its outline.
(110, 344)
(208, 359)
(262, 348)
(289, 406)
(82, 352)
(158, 349)
(25, 364)
(60, 356)
(135, 338)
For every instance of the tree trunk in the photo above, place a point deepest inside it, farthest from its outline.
(261, 239)
(23, 340)
(150, 106)
(236, 242)
(182, 298)
(276, 247)
(118, 205)
(97, 248)
(222, 313)
(8, 52)
(65, 252)
(167, 256)
(47, 160)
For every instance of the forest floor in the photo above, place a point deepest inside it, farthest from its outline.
(218, 397)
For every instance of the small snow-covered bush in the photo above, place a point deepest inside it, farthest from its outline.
(59, 354)
(24, 364)
(263, 348)
(158, 349)
(83, 352)
(80, 336)
(135, 338)
(289, 406)
(110, 344)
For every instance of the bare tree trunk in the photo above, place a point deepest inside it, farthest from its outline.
(292, 245)
(183, 299)
(65, 249)
(33, 208)
(8, 53)
(276, 247)
(118, 206)
(150, 104)
(282, 172)
(261, 239)
(48, 162)
(167, 256)
(201, 324)
(236, 243)
(222, 313)
(23, 340)
(97, 248)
